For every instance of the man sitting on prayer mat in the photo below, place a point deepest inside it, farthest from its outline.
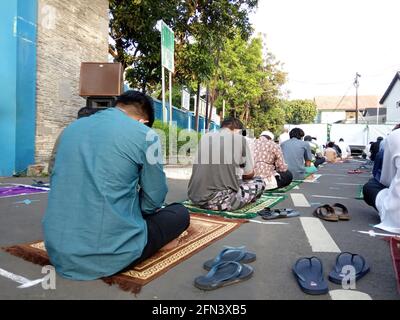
(297, 154)
(221, 157)
(269, 162)
(384, 195)
(103, 211)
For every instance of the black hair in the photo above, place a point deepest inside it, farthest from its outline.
(296, 133)
(341, 140)
(232, 123)
(142, 103)
(307, 138)
(331, 144)
(87, 112)
(379, 139)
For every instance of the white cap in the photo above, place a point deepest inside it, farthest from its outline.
(268, 133)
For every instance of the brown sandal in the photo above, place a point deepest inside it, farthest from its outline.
(341, 211)
(326, 212)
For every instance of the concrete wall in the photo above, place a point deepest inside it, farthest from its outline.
(332, 116)
(392, 108)
(69, 32)
(17, 84)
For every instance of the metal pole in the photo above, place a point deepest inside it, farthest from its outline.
(223, 109)
(377, 114)
(356, 104)
(207, 106)
(170, 98)
(163, 94)
(356, 85)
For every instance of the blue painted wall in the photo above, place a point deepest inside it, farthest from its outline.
(17, 85)
(26, 84)
(8, 78)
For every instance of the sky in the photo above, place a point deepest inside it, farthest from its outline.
(323, 43)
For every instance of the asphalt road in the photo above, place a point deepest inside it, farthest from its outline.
(277, 248)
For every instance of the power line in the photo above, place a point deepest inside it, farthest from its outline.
(344, 96)
(368, 75)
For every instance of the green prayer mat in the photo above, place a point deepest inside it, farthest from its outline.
(247, 212)
(360, 194)
(284, 189)
(306, 175)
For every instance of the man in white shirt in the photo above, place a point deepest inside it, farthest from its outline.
(346, 151)
(284, 136)
(385, 195)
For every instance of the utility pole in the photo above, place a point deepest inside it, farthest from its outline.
(356, 85)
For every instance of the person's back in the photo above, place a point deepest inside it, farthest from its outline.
(344, 147)
(217, 165)
(223, 170)
(95, 178)
(375, 148)
(284, 136)
(267, 158)
(330, 154)
(94, 225)
(296, 152)
(269, 163)
(385, 195)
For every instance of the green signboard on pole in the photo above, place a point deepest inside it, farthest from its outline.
(167, 47)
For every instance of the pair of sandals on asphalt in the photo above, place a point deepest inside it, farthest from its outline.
(229, 267)
(360, 169)
(309, 272)
(333, 213)
(270, 214)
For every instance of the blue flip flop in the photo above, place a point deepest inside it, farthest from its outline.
(309, 274)
(348, 259)
(224, 274)
(238, 254)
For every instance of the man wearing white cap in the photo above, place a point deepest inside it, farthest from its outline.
(269, 162)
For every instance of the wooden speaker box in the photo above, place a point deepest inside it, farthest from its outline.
(101, 79)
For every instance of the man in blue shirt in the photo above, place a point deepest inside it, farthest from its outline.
(103, 212)
(297, 154)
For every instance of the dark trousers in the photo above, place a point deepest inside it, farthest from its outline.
(319, 161)
(371, 190)
(284, 179)
(163, 227)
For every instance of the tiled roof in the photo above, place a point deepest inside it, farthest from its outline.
(347, 103)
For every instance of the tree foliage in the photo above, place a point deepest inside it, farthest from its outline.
(200, 29)
(299, 111)
(250, 82)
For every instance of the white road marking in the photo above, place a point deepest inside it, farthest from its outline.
(296, 188)
(372, 233)
(335, 175)
(318, 237)
(299, 200)
(328, 197)
(314, 179)
(25, 283)
(349, 295)
(262, 222)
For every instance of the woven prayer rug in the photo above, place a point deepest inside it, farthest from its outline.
(202, 232)
(247, 212)
(8, 191)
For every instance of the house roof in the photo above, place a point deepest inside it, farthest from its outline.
(347, 103)
(389, 89)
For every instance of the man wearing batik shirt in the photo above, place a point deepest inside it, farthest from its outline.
(269, 162)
